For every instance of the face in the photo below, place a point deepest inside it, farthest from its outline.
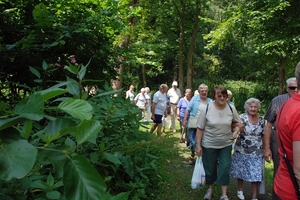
(188, 95)
(292, 88)
(220, 98)
(166, 89)
(203, 93)
(228, 98)
(252, 109)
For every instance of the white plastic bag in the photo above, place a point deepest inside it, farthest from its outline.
(198, 178)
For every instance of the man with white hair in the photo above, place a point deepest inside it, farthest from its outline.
(174, 95)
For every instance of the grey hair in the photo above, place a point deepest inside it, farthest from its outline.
(188, 90)
(202, 86)
(297, 74)
(252, 100)
(147, 89)
(143, 90)
(288, 81)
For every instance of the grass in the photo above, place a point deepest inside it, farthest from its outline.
(175, 173)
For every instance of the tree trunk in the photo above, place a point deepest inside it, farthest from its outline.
(144, 76)
(281, 76)
(181, 45)
(190, 67)
(118, 82)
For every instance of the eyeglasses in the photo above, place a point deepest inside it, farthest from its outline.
(292, 87)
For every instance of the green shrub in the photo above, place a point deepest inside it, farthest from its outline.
(61, 143)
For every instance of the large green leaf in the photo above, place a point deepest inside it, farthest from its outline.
(52, 92)
(86, 130)
(5, 123)
(73, 87)
(77, 108)
(58, 128)
(31, 107)
(81, 180)
(17, 159)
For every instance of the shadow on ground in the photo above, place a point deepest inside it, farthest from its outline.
(180, 172)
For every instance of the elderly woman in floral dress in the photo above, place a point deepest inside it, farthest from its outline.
(247, 161)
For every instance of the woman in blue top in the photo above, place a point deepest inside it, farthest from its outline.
(192, 113)
(181, 108)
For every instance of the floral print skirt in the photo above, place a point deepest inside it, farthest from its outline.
(248, 167)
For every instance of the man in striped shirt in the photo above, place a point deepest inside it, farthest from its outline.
(270, 143)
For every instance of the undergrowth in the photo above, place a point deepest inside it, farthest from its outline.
(175, 173)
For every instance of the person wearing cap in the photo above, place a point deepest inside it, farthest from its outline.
(174, 95)
(229, 98)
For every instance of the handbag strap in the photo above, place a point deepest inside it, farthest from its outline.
(289, 166)
(291, 172)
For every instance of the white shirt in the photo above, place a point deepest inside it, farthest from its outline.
(174, 95)
(161, 103)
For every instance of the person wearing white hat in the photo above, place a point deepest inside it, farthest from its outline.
(174, 95)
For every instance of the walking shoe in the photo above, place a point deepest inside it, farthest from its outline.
(240, 195)
(208, 194)
(224, 197)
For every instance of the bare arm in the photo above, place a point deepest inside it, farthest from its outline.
(296, 159)
(266, 142)
(178, 113)
(186, 114)
(152, 110)
(199, 134)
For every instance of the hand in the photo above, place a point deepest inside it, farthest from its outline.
(199, 150)
(234, 135)
(241, 126)
(184, 123)
(268, 155)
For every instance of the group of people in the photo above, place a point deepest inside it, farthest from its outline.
(141, 100)
(212, 126)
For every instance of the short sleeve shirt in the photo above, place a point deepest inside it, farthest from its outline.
(274, 106)
(160, 100)
(288, 131)
(182, 105)
(217, 126)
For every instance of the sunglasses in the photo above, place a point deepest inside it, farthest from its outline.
(292, 87)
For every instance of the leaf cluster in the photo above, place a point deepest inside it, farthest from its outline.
(63, 143)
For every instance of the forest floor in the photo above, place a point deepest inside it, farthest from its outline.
(176, 174)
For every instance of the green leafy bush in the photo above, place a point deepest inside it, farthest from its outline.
(62, 143)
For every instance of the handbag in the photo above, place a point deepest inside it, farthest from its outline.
(198, 178)
(193, 121)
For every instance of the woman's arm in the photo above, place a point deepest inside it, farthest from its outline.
(199, 134)
(186, 114)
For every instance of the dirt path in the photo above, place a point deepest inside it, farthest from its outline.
(183, 172)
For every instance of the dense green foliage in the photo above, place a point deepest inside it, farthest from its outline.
(251, 47)
(62, 143)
